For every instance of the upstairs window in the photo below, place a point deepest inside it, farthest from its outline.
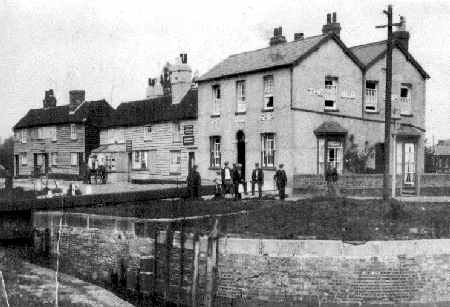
(405, 99)
(330, 93)
(371, 97)
(241, 102)
(215, 155)
(40, 133)
(23, 135)
(147, 133)
(216, 99)
(176, 132)
(52, 133)
(268, 150)
(268, 92)
(73, 131)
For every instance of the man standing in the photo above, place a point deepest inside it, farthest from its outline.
(226, 179)
(236, 174)
(257, 178)
(194, 182)
(281, 181)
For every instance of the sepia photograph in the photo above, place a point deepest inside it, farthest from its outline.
(225, 153)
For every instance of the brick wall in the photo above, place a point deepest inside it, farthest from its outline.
(254, 272)
(197, 270)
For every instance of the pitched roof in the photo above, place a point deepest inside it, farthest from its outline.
(277, 56)
(87, 111)
(330, 127)
(160, 109)
(371, 53)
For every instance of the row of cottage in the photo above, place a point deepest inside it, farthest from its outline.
(299, 102)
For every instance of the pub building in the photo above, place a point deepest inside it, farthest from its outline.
(153, 140)
(300, 103)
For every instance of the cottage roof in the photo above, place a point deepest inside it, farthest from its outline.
(277, 56)
(371, 53)
(160, 109)
(109, 148)
(91, 111)
(330, 127)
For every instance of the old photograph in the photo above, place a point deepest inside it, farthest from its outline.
(225, 153)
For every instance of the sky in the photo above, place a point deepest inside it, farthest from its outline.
(110, 48)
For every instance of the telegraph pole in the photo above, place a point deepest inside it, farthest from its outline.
(387, 109)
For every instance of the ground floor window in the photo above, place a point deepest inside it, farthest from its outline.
(268, 150)
(215, 155)
(330, 155)
(175, 162)
(74, 158)
(54, 158)
(24, 158)
(140, 159)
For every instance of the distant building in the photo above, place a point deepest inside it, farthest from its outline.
(299, 102)
(155, 139)
(441, 156)
(55, 140)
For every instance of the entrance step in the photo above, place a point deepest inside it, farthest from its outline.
(408, 191)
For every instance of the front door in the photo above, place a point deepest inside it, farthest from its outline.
(16, 165)
(240, 138)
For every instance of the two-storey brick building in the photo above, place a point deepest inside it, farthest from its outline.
(155, 139)
(301, 102)
(56, 140)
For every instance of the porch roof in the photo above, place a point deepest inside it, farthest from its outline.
(330, 128)
(408, 131)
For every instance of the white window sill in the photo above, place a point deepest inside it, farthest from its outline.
(372, 111)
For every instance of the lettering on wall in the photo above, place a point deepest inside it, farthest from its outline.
(345, 93)
(266, 116)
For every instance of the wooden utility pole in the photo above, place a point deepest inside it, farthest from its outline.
(387, 109)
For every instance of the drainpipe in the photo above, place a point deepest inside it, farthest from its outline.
(291, 73)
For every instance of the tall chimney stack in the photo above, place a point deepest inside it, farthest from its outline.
(49, 99)
(180, 78)
(401, 36)
(332, 26)
(277, 37)
(76, 97)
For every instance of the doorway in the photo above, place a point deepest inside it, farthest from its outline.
(240, 141)
(16, 165)
(406, 163)
(191, 161)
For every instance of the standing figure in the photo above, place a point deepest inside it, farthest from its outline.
(226, 175)
(236, 174)
(218, 184)
(194, 182)
(258, 179)
(281, 181)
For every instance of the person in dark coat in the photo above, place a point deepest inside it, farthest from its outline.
(281, 181)
(258, 179)
(237, 177)
(194, 182)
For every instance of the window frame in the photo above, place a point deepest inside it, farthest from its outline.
(268, 152)
(54, 158)
(371, 105)
(23, 136)
(216, 100)
(215, 154)
(73, 131)
(177, 155)
(176, 132)
(140, 160)
(23, 158)
(268, 94)
(408, 110)
(334, 82)
(74, 162)
(148, 132)
(241, 100)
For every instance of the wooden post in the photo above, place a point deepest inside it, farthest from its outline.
(210, 271)
(155, 263)
(168, 243)
(181, 291)
(196, 246)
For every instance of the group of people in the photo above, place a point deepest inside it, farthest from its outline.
(96, 169)
(229, 181)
